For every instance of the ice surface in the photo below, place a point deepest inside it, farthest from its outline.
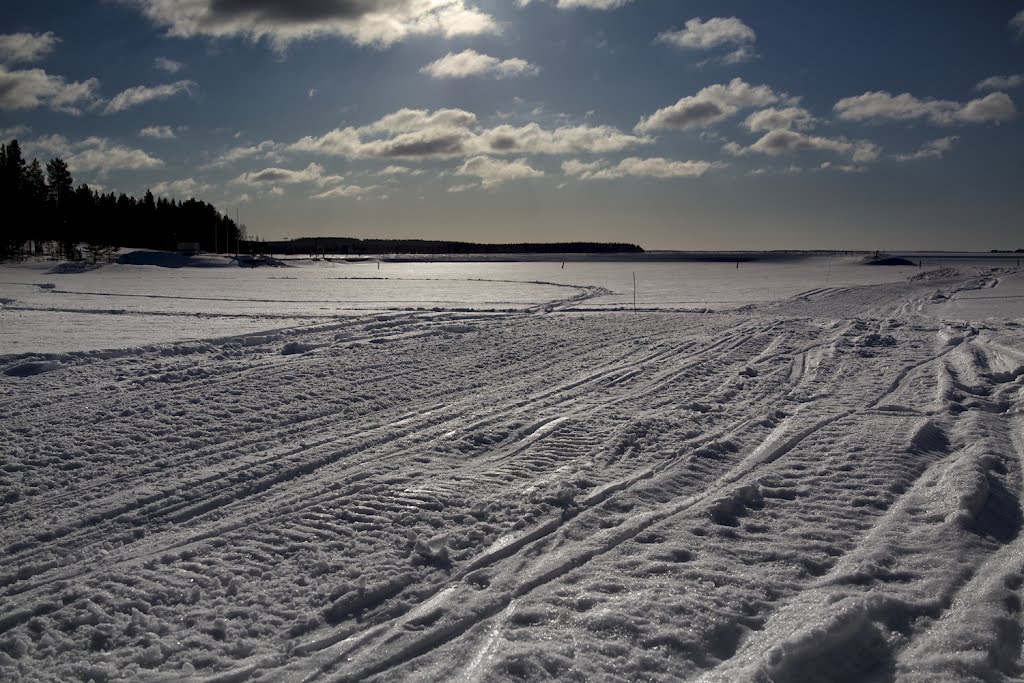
(306, 479)
(48, 308)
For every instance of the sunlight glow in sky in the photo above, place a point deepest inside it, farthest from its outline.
(672, 124)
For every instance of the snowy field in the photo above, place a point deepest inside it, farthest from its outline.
(52, 308)
(796, 471)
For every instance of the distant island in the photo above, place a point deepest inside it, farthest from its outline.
(353, 246)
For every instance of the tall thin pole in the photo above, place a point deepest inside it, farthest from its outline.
(634, 291)
(238, 232)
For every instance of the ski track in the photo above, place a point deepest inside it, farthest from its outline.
(823, 488)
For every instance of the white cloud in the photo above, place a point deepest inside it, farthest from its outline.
(32, 88)
(783, 141)
(184, 188)
(158, 132)
(532, 139)
(363, 22)
(842, 168)
(933, 149)
(344, 191)
(743, 53)
(496, 171)
(472, 63)
(705, 35)
(26, 47)
(447, 133)
(584, 4)
(141, 94)
(654, 167)
(399, 170)
(583, 169)
(268, 149)
(1017, 23)
(13, 132)
(93, 154)
(882, 105)
(1001, 82)
(994, 107)
(168, 65)
(313, 173)
(771, 119)
(711, 105)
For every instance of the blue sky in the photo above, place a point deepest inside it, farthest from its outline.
(676, 125)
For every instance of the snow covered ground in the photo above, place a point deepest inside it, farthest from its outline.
(476, 472)
(68, 307)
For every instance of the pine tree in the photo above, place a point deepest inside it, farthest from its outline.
(59, 183)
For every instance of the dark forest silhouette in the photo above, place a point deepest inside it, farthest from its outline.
(45, 213)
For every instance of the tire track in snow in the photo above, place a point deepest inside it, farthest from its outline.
(400, 647)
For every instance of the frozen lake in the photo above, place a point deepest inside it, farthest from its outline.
(490, 471)
(50, 309)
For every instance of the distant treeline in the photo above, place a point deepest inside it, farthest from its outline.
(44, 210)
(353, 245)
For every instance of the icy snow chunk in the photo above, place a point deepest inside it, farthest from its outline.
(294, 347)
(432, 551)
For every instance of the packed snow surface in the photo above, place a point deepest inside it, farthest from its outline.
(493, 477)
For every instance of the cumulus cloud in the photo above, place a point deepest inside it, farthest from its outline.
(1017, 23)
(841, 168)
(881, 105)
(447, 133)
(698, 34)
(33, 88)
(168, 65)
(186, 187)
(268, 149)
(654, 167)
(472, 63)
(493, 172)
(584, 169)
(711, 105)
(584, 4)
(13, 131)
(132, 97)
(716, 32)
(26, 47)
(268, 177)
(783, 141)
(93, 154)
(933, 149)
(344, 191)
(364, 22)
(1001, 82)
(399, 170)
(771, 119)
(158, 132)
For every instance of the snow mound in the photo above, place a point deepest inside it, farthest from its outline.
(293, 347)
(31, 368)
(169, 259)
